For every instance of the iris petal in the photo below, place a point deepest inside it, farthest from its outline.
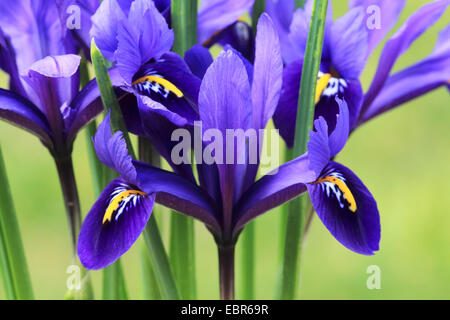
(114, 223)
(347, 208)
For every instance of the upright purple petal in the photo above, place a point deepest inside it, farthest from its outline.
(113, 224)
(381, 17)
(416, 24)
(215, 15)
(105, 23)
(348, 43)
(318, 146)
(347, 208)
(155, 37)
(339, 136)
(112, 150)
(35, 30)
(58, 74)
(416, 80)
(267, 73)
(224, 103)
(128, 55)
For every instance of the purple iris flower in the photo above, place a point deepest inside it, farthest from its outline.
(135, 36)
(40, 57)
(348, 42)
(221, 200)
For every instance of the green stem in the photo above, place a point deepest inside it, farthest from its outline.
(248, 261)
(152, 239)
(226, 271)
(72, 203)
(71, 199)
(288, 156)
(13, 264)
(305, 116)
(182, 233)
(150, 286)
(182, 253)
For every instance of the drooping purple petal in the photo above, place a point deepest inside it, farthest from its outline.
(173, 69)
(177, 193)
(215, 15)
(273, 189)
(416, 24)
(102, 241)
(105, 23)
(21, 112)
(381, 17)
(198, 59)
(347, 208)
(416, 80)
(348, 43)
(286, 113)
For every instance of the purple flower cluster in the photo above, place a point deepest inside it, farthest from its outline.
(254, 79)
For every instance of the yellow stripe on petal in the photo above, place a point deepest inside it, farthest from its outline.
(321, 85)
(163, 82)
(344, 189)
(116, 201)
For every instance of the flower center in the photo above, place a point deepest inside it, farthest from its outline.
(157, 84)
(328, 85)
(335, 183)
(121, 199)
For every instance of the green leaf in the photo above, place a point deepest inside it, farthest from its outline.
(297, 208)
(182, 234)
(153, 239)
(13, 264)
(184, 25)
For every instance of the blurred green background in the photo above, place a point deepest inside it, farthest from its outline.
(403, 158)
